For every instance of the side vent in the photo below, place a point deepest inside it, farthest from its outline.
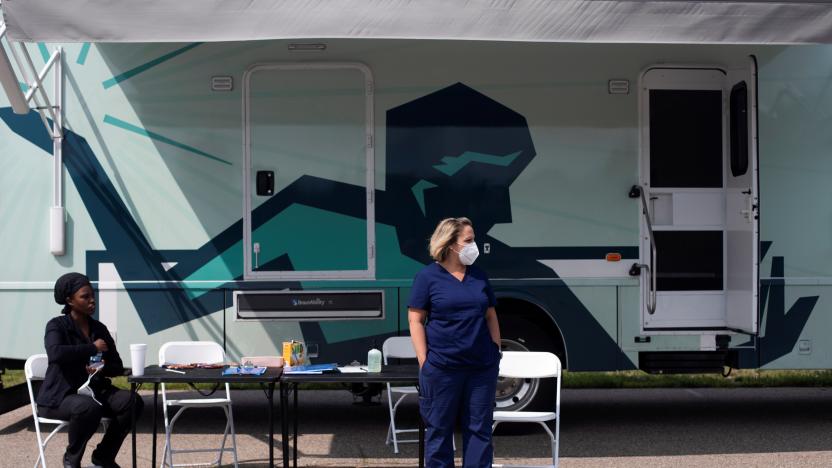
(618, 86)
(222, 83)
(309, 305)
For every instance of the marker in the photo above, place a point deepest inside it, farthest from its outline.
(174, 370)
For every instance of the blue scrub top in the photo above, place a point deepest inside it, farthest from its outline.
(457, 333)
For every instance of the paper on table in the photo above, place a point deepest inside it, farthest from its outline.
(352, 369)
(310, 369)
(244, 371)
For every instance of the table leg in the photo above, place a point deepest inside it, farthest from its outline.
(270, 397)
(133, 423)
(155, 410)
(295, 421)
(284, 422)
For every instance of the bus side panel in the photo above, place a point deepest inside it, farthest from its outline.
(795, 208)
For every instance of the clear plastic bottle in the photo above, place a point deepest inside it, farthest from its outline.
(96, 361)
(374, 360)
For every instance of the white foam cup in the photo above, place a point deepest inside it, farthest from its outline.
(138, 352)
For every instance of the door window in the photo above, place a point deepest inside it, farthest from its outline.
(689, 261)
(685, 138)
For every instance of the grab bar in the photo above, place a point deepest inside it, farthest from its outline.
(636, 191)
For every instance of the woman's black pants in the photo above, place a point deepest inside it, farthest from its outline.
(84, 416)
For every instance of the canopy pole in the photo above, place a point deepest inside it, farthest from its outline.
(57, 213)
(32, 82)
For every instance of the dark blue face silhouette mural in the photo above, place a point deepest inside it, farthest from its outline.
(454, 152)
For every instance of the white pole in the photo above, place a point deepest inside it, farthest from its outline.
(57, 127)
(57, 214)
(39, 85)
(42, 75)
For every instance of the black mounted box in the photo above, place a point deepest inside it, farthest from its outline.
(265, 183)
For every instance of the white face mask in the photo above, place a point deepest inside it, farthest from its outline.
(469, 253)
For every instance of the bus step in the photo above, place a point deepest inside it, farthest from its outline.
(685, 362)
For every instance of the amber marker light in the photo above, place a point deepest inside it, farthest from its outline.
(613, 257)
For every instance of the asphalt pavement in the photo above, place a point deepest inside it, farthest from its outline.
(674, 428)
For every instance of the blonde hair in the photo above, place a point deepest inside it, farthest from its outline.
(445, 235)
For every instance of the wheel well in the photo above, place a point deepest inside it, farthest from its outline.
(535, 313)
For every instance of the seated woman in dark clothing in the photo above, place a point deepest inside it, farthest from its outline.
(71, 340)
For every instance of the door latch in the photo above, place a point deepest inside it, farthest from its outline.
(748, 213)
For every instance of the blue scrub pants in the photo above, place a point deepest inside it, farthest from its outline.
(446, 394)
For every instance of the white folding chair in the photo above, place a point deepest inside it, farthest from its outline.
(35, 369)
(187, 352)
(533, 365)
(398, 347)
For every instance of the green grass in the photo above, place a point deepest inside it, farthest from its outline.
(737, 379)
(13, 377)
(619, 379)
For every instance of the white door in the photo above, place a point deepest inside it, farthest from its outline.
(742, 204)
(308, 171)
(706, 247)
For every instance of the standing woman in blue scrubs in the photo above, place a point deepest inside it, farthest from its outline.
(453, 325)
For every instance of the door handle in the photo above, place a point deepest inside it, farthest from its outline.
(749, 211)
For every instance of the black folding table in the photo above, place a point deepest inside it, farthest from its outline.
(395, 374)
(157, 375)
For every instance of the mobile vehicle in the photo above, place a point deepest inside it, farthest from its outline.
(649, 199)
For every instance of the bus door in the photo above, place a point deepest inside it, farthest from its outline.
(308, 179)
(699, 178)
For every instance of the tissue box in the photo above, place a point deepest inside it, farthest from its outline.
(263, 361)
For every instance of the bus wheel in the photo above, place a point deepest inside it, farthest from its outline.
(521, 334)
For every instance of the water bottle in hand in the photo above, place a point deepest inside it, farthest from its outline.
(96, 361)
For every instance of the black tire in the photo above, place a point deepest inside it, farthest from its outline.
(522, 334)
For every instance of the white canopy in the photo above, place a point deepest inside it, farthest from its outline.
(632, 21)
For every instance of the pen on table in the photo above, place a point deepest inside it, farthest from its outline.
(174, 370)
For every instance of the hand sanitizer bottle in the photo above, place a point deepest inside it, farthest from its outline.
(374, 360)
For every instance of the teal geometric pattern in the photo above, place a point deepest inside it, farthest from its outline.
(44, 52)
(147, 66)
(314, 239)
(451, 165)
(418, 190)
(109, 119)
(82, 56)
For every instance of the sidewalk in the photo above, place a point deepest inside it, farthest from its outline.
(333, 432)
(673, 428)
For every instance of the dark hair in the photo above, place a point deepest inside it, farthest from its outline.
(66, 286)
